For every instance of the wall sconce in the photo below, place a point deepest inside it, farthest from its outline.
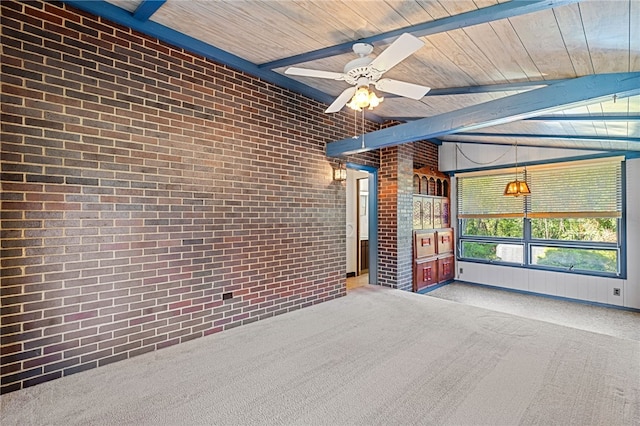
(339, 173)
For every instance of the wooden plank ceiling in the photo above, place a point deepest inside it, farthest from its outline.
(486, 61)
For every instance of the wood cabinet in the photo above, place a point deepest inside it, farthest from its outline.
(433, 239)
(434, 260)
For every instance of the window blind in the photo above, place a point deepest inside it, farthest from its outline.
(482, 197)
(580, 189)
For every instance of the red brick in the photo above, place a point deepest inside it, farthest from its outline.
(80, 316)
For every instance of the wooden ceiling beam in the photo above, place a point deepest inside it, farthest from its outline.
(487, 88)
(556, 97)
(452, 138)
(147, 8)
(588, 117)
(620, 117)
(484, 88)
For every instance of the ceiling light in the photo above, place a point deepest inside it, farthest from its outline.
(364, 98)
(517, 187)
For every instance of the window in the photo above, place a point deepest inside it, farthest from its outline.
(575, 258)
(503, 228)
(501, 252)
(570, 222)
(575, 229)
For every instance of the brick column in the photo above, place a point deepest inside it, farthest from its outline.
(394, 217)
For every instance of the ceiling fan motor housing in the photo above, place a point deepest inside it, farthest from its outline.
(359, 68)
(362, 49)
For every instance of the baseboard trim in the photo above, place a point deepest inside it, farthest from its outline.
(434, 287)
(550, 296)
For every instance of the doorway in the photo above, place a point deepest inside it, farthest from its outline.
(362, 225)
(362, 200)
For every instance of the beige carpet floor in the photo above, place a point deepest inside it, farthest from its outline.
(585, 316)
(376, 356)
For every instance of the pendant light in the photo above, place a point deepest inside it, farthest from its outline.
(517, 187)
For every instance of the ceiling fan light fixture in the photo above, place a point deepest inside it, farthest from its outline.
(361, 97)
(364, 98)
(374, 101)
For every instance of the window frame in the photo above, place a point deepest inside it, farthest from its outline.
(529, 243)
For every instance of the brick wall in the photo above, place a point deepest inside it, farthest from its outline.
(425, 154)
(150, 196)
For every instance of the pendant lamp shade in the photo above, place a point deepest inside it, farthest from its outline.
(517, 187)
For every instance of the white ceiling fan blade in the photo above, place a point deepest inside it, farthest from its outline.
(400, 49)
(402, 88)
(303, 72)
(341, 100)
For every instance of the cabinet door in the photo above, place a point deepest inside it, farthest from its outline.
(445, 241)
(446, 218)
(446, 268)
(417, 213)
(426, 274)
(437, 212)
(427, 213)
(425, 244)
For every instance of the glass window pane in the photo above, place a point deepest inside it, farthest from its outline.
(576, 258)
(501, 252)
(503, 228)
(582, 229)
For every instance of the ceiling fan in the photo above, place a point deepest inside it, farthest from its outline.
(365, 70)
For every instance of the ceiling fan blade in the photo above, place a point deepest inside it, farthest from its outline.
(341, 100)
(399, 50)
(314, 73)
(402, 88)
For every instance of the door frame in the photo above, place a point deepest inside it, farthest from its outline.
(359, 224)
(373, 218)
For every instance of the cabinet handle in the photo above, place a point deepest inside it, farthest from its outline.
(426, 242)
